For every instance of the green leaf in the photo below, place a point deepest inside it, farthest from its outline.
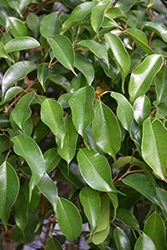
(64, 54)
(124, 110)
(43, 73)
(48, 188)
(68, 150)
(142, 76)
(85, 67)
(114, 199)
(95, 170)
(21, 43)
(155, 229)
(81, 104)
(33, 22)
(154, 146)
(99, 237)
(95, 48)
(106, 130)
(52, 243)
(61, 81)
(11, 93)
(129, 199)
(22, 112)
(140, 38)
(4, 144)
(9, 186)
(14, 5)
(69, 219)
(143, 185)
(52, 116)
(3, 52)
(115, 12)
(127, 160)
(121, 239)
(150, 3)
(97, 14)
(162, 198)
(15, 73)
(158, 28)
(142, 109)
(160, 84)
(51, 158)
(126, 5)
(50, 25)
(78, 15)
(120, 54)
(144, 243)
(18, 28)
(91, 203)
(30, 151)
(4, 121)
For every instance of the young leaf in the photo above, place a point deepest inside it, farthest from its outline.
(95, 170)
(142, 109)
(50, 25)
(9, 186)
(43, 73)
(142, 76)
(144, 243)
(69, 219)
(121, 239)
(106, 131)
(30, 151)
(90, 200)
(154, 146)
(120, 54)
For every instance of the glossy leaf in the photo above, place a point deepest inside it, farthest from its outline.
(11, 93)
(141, 77)
(115, 12)
(120, 54)
(50, 25)
(9, 186)
(78, 14)
(67, 152)
(18, 28)
(3, 53)
(121, 239)
(160, 84)
(125, 5)
(95, 48)
(162, 198)
(154, 145)
(21, 43)
(15, 5)
(125, 111)
(97, 14)
(69, 219)
(48, 188)
(109, 138)
(91, 203)
(144, 243)
(155, 229)
(158, 28)
(143, 185)
(85, 67)
(51, 158)
(81, 104)
(95, 170)
(52, 116)
(15, 73)
(61, 81)
(43, 73)
(114, 199)
(30, 151)
(53, 243)
(142, 109)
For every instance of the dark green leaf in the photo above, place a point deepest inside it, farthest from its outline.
(52, 243)
(43, 73)
(3, 53)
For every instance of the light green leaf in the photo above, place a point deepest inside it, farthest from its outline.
(85, 67)
(30, 151)
(3, 52)
(158, 28)
(78, 14)
(106, 131)
(15, 5)
(63, 51)
(99, 237)
(154, 146)
(50, 25)
(114, 199)
(81, 104)
(142, 109)
(144, 243)
(95, 48)
(18, 28)
(9, 186)
(69, 219)
(124, 110)
(150, 3)
(142, 76)
(48, 188)
(140, 38)
(11, 93)
(43, 73)
(52, 116)
(121, 239)
(91, 203)
(120, 54)
(127, 160)
(21, 43)
(53, 243)
(155, 229)
(95, 170)
(143, 185)
(51, 158)
(97, 14)
(15, 73)
(68, 150)
(33, 21)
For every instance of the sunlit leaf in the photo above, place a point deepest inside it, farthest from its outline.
(158, 28)
(144, 243)
(18, 28)
(3, 52)
(121, 239)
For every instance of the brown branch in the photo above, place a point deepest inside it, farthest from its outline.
(130, 172)
(50, 66)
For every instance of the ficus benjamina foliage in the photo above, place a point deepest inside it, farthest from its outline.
(83, 132)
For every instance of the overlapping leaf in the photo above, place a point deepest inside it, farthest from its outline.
(18, 28)
(121, 239)
(158, 28)
(43, 73)
(50, 25)
(3, 52)
(142, 109)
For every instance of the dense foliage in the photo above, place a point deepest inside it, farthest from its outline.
(83, 137)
